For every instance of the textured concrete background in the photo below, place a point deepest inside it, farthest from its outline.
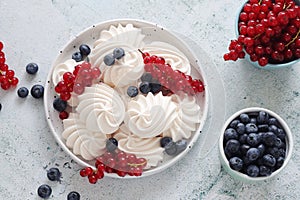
(35, 31)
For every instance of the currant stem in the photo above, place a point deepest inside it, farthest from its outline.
(256, 36)
(260, 1)
(293, 39)
(141, 52)
(136, 164)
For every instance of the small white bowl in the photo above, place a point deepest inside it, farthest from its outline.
(241, 176)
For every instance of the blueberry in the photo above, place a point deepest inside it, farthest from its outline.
(155, 87)
(145, 87)
(37, 91)
(0, 106)
(269, 138)
(32, 68)
(77, 56)
(279, 143)
(109, 60)
(244, 118)
(244, 148)
(264, 170)
(73, 196)
(274, 129)
(146, 77)
(263, 127)
(261, 149)
(170, 148)
(281, 134)
(232, 146)
(243, 138)
(118, 53)
(181, 145)
(165, 140)
(234, 123)
(252, 114)
(282, 152)
(230, 133)
(111, 144)
(236, 163)
(269, 160)
(246, 161)
(240, 128)
(273, 121)
(274, 151)
(54, 174)
(251, 128)
(253, 120)
(44, 191)
(22, 92)
(59, 104)
(252, 170)
(132, 91)
(253, 139)
(279, 162)
(252, 154)
(263, 117)
(84, 49)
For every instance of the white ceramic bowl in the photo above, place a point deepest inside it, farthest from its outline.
(269, 66)
(153, 32)
(243, 177)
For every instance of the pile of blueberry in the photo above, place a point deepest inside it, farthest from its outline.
(44, 191)
(255, 144)
(173, 148)
(148, 84)
(84, 51)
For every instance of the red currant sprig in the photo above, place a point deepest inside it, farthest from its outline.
(7, 76)
(268, 32)
(82, 76)
(172, 81)
(117, 162)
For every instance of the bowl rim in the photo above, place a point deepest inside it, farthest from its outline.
(135, 22)
(247, 57)
(289, 141)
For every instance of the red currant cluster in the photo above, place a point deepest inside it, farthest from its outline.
(7, 76)
(172, 81)
(268, 32)
(117, 162)
(82, 76)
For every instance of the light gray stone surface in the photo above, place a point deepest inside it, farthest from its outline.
(35, 31)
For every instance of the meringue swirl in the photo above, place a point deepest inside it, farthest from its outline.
(61, 68)
(101, 108)
(127, 34)
(124, 71)
(83, 142)
(127, 69)
(148, 148)
(171, 54)
(148, 116)
(187, 118)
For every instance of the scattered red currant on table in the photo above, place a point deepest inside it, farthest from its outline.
(268, 32)
(7, 76)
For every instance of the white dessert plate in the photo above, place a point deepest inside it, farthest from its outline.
(153, 32)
